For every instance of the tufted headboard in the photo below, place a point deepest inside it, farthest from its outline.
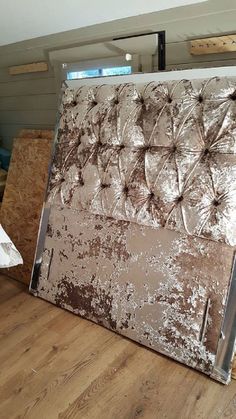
(161, 154)
(139, 225)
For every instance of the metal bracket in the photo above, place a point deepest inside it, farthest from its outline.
(225, 351)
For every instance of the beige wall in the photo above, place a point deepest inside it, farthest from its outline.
(30, 101)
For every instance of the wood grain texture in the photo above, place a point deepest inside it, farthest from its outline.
(3, 175)
(28, 68)
(36, 133)
(10, 132)
(215, 45)
(67, 367)
(233, 375)
(23, 198)
(5, 77)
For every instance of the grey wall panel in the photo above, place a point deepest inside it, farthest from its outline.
(24, 56)
(205, 64)
(30, 102)
(10, 131)
(5, 77)
(47, 117)
(178, 53)
(28, 87)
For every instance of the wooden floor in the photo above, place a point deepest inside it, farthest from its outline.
(56, 365)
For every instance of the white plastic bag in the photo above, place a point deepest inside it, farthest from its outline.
(9, 255)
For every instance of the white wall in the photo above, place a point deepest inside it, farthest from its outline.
(27, 19)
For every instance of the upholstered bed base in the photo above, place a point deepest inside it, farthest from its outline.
(139, 223)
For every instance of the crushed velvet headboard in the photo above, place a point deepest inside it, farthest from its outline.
(162, 154)
(144, 176)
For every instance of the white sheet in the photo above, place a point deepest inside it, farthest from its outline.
(9, 255)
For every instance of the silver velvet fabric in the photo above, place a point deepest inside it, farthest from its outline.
(160, 155)
(142, 175)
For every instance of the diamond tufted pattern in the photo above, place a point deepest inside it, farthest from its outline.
(161, 154)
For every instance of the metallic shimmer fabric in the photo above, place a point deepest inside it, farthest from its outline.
(161, 155)
(157, 287)
(143, 176)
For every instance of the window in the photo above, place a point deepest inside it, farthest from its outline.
(99, 72)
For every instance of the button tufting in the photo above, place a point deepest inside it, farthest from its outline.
(206, 152)
(74, 103)
(232, 96)
(143, 150)
(104, 185)
(180, 198)
(200, 98)
(126, 190)
(81, 183)
(216, 203)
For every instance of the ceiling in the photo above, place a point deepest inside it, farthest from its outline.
(27, 19)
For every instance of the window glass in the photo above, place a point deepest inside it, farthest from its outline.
(99, 72)
(116, 71)
(71, 75)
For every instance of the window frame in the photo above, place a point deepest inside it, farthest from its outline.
(109, 62)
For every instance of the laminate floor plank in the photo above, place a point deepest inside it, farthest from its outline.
(55, 365)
